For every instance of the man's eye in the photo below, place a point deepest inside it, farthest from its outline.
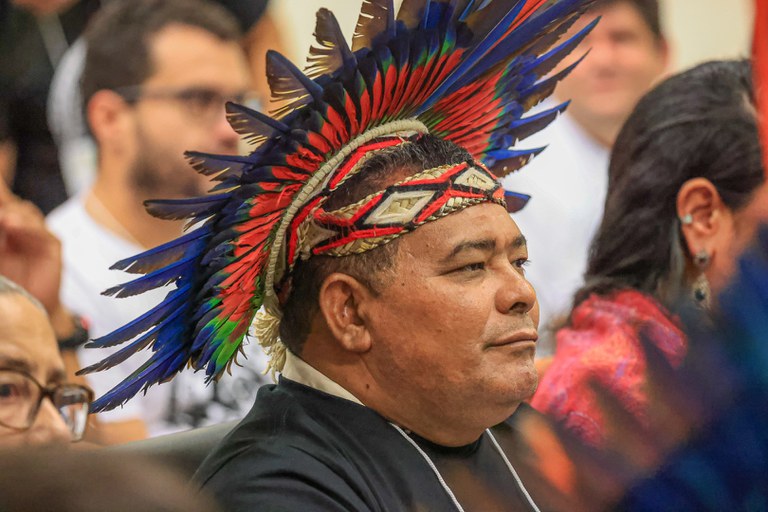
(202, 98)
(9, 392)
(624, 37)
(521, 263)
(472, 267)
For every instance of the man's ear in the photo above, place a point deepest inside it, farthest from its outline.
(702, 214)
(106, 116)
(340, 300)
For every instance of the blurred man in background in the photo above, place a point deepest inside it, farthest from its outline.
(42, 53)
(157, 75)
(627, 54)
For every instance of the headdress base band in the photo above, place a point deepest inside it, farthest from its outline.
(316, 184)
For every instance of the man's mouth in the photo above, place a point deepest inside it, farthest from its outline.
(517, 338)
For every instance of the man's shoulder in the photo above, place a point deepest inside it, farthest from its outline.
(285, 453)
(86, 244)
(64, 218)
(79, 232)
(287, 421)
(284, 476)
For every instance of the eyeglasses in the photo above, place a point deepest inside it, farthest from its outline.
(21, 397)
(201, 102)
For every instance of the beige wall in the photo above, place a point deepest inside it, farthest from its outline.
(298, 20)
(701, 30)
(698, 30)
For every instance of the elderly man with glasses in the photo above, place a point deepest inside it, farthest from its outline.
(37, 405)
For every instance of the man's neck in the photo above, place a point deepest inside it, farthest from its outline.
(427, 421)
(120, 209)
(604, 135)
(430, 421)
(602, 131)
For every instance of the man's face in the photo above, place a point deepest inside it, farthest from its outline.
(454, 332)
(27, 343)
(624, 61)
(182, 108)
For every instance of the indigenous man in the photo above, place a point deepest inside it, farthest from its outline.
(398, 360)
(378, 243)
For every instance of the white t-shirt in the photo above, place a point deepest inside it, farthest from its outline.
(568, 183)
(88, 250)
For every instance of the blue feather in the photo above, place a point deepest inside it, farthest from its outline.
(155, 370)
(505, 161)
(474, 56)
(543, 64)
(548, 24)
(532, 96)
(254, 126)
(333, 53)
(194, 241)
(289, 84)
(515, 200)
(524, 127)
(139, 344)
(196, 207)
(175, 299)
(161, 277)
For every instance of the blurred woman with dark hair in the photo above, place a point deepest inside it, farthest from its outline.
(680, 208)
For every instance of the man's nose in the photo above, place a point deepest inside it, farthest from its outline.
(224, 135)
(603, 55)
(516, 294)
(49, 427)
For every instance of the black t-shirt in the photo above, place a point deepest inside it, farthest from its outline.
(302, 449)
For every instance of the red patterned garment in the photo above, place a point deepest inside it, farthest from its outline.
(602, 344)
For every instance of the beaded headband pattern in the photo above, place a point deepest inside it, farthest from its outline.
(462, 70)
(399, 209)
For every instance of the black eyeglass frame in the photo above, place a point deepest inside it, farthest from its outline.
(134, 93)
(49, 392)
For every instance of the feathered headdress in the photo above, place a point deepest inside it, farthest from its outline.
(462, 70)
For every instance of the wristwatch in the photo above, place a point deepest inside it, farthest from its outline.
(78, 337)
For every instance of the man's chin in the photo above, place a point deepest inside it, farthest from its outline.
(521, 383)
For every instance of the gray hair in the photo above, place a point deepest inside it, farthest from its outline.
(8, 287)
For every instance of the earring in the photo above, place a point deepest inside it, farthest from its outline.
(686, 219)
(701, 291)
(701, 259)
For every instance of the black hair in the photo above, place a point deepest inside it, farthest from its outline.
(648, 10)
(700, 123)
(119, 36)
